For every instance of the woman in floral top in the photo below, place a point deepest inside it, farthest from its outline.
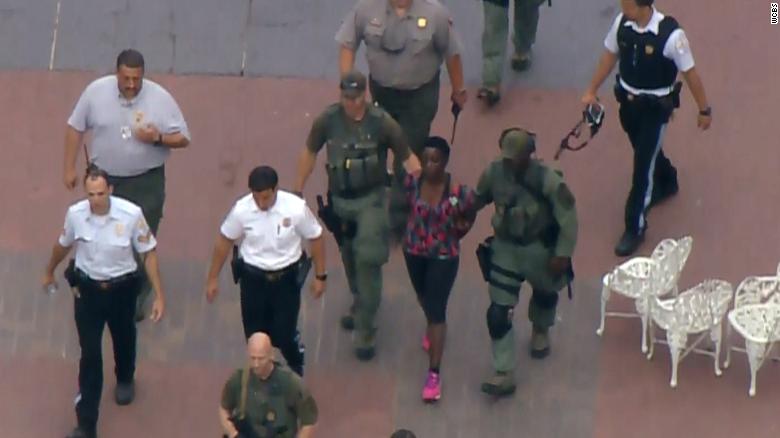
(437, 221)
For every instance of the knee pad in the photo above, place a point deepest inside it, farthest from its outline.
(499, 320)
(545, 300)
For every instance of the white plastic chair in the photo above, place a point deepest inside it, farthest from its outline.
(641, 278)
(756, 317)
(699, 310)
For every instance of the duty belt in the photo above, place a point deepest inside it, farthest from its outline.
(271, 276)
(105, 285)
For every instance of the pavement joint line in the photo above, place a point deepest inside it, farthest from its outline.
(54, 36)
(244, 44)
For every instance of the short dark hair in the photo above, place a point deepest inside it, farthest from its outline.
(130, 58)
(403, 433)
(94, 172)
(644, 2)
(262, 178)
(439, 144)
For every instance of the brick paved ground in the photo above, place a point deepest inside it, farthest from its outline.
(589, 387)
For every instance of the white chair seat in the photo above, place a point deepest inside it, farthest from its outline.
(643, 278)
(699, 310)
(756, 317)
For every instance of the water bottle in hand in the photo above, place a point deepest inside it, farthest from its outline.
(51, 289)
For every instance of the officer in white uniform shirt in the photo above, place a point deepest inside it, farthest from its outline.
(106, 280)
(651, 49)
(270, 225)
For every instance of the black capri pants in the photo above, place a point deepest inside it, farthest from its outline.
(432, 279)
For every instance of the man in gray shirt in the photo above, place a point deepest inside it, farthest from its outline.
(135, 123)
(407, 41)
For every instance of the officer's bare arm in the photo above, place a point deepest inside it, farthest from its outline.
(606, 64)
(58, 253)
(221, 250)
(153, 272)
(412, 164)
(697, 87)
(318, 255)
(306, 432)
(227, 425)
(346, 59)
(306, 163)
(455, 71)
(73, 138)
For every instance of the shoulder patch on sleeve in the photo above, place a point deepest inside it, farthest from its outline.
(681, 45)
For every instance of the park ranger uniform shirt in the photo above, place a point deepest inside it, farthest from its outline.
(406, 52)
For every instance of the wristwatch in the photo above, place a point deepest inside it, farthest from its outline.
(322, 277)
(159, 141)
(706, 112)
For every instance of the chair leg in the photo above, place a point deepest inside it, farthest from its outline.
(604, 298)
(728, 347)
(651, 329)
(675, 355)
(716, 334)
(755, 352)
(644, 316)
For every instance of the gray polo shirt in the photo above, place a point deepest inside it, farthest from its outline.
(112, 119)
(402, 52)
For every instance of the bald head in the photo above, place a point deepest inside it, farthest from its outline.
(260, 342)
(261, 354)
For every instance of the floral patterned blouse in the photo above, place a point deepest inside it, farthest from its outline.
(430, 230)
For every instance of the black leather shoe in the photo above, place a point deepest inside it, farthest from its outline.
(491, 96)
(78, 432)
(348, 322)
(521, 62)
(629, 243)
(365, 353)
(663, 193)
(124, 393)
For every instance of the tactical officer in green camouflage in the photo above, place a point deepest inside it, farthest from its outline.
(358, 137)
(535, 231)
(266, 399)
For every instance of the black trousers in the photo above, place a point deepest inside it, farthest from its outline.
(272, 306)
(96, 307)
(432, 280)
(414, 110)
(146, 190)
(654, 174)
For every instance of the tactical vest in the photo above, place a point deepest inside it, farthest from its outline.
(275, 415)
(522, 215)
(642, 61)
(357, 163)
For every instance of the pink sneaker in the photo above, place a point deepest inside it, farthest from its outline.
(432, 389)
(426, 343)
